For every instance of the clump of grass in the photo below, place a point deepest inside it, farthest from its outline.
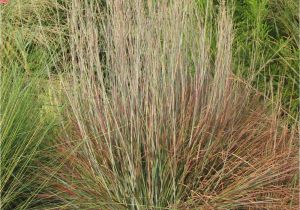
(158, 121)
(26, 58)
(23, 130)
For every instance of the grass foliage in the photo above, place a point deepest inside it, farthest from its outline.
(158, 104)
(23, 130)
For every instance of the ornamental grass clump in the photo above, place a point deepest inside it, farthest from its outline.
(157, 120)
(23, 132)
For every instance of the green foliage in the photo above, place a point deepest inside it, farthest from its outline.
(23, 130)
(25, 60)
(266, 49)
